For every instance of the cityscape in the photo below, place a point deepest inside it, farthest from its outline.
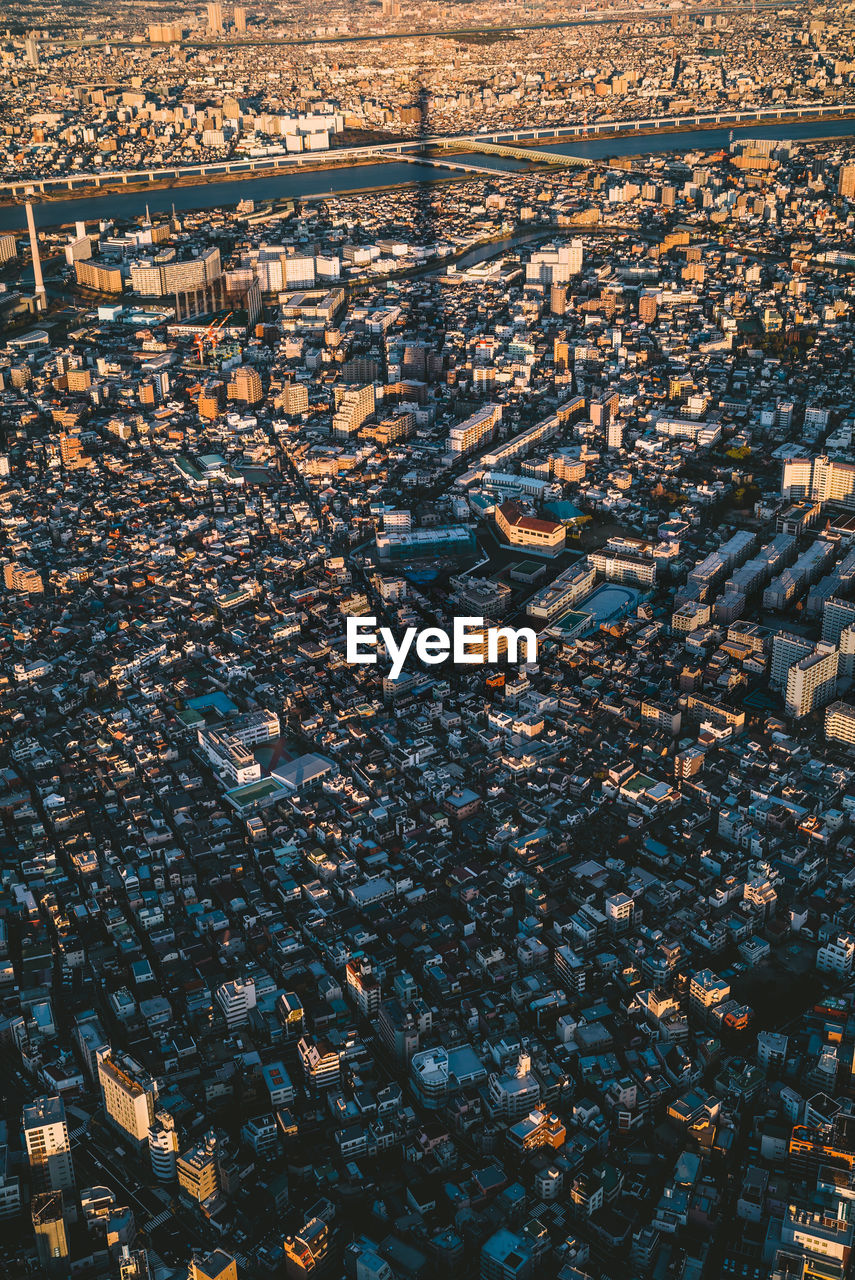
(427, 621)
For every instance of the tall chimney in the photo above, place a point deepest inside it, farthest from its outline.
(37, 262)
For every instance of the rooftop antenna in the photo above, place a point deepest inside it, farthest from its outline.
(37, 262)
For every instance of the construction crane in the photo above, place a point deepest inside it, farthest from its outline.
(212, 336)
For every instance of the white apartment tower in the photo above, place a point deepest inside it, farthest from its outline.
(48, 1146)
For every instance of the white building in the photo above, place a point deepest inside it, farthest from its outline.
(812, 682)
(163, 1147)
(48, 1145)
(236, 998)
(514, 1095)
(837, 956)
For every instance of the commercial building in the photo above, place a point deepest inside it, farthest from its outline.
(129, 1094)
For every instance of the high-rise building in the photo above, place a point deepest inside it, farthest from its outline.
(481, 426)
(840, 722)
(846, 181)
(215, 17)
(354, 406)
(812, 681)
(18, 578)
(49, 1227)
(70, 444)
(163, 1147)
(199, 1169)
(821, 478)
(8, 248)
(129, 1094)
(245, 385)
(99, 279)
(293, 398)
(236, 998)
(558, 300)
(648, 307)
(240, 20)
(614, 434)
(787, 649)
(321, 1062)
(362, 985)
(555, 265)
(48, 1146)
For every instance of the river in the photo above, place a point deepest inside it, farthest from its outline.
(396, 173)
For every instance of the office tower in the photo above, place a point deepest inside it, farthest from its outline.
(48, 1146)
(213, 1266)
(614, 434)
(129, 1094)
(37, 262)
(558, 300)
(240, 20)
(215, 17)
(163, 1147)
(31, 52)
(846, 181)
(8, 248)
(49, 1228)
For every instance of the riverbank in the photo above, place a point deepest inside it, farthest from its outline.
(374, 175)
(328, 163)
(117, 187)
